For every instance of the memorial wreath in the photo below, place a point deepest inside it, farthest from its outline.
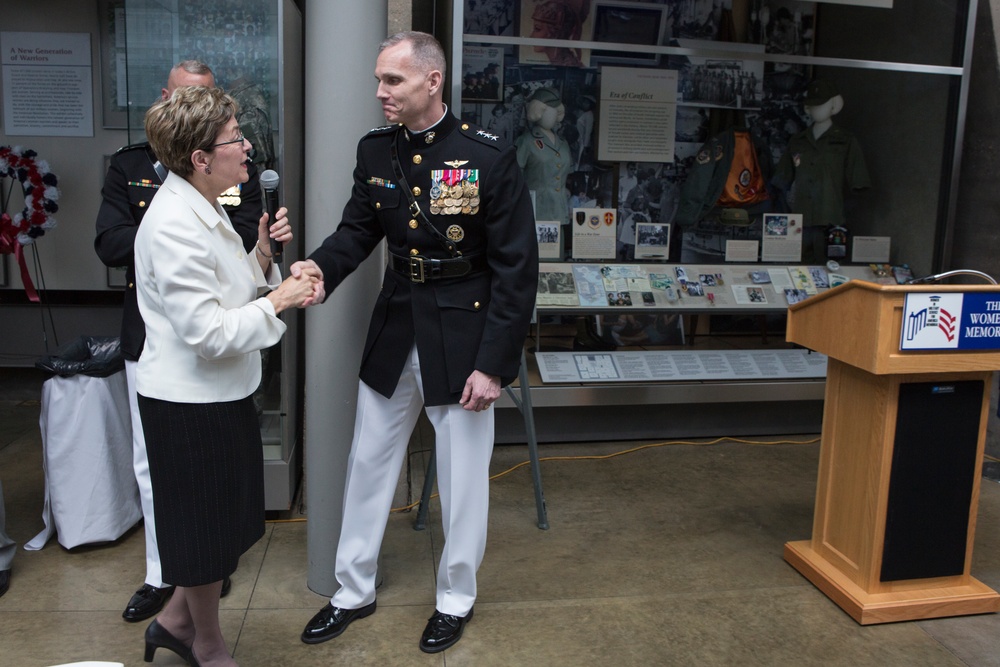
(40, 194)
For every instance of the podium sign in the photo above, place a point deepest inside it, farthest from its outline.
(951, 321)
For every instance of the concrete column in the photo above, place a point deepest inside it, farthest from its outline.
(341, 45)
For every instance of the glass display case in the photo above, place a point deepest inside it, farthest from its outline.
(851, 116)
(242, 43)
(900, 73)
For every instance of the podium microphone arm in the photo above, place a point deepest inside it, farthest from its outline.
(948, 274)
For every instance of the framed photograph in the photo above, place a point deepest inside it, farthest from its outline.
(549, 239)
(489, 17)
(543, 19)
(697, 19)
(482, 74)
(116, 276)
(732, 82)
(783, 26)
(114, 87)
(652, 241)
(639, 23)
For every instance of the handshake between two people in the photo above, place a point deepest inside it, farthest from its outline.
(304, 286)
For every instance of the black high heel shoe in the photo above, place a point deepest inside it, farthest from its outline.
(158, 637)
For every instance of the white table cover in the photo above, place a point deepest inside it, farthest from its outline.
(90, 489)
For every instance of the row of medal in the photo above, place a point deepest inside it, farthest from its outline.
(454, 199)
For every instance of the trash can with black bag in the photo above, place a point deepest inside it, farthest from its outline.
(90, 491)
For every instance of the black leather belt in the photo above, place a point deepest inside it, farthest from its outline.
(421, 269)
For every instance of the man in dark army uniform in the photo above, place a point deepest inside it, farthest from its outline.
(133, 177)
(447, 329)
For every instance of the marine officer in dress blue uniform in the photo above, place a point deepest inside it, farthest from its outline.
(447, 329)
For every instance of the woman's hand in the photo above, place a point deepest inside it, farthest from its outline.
(280, 230)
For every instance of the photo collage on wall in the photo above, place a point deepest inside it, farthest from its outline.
(504, 88)
(231, 38)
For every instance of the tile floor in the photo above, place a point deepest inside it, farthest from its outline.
(666, 556)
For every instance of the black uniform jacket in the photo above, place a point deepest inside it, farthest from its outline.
(474, 322)
(129, 186)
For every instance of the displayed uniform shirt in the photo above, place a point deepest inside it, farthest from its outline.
(817, 173)
(729, 170)
(546, 165)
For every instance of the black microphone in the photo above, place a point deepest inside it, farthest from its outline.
(269, 182)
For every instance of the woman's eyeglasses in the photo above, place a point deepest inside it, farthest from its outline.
(238, 140)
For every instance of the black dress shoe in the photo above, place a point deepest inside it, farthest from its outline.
(331, 622)
(227, 584)
(4, 581)
(443, 631)
(158, 637)
(146, 602)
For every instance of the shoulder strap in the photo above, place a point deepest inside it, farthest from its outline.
(160, 170)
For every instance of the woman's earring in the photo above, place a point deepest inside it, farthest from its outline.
(208, 170)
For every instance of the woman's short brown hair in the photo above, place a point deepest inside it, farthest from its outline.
(190, 120)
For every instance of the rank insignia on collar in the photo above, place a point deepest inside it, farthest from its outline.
(455, 233)
(455, 164)
(484, 133)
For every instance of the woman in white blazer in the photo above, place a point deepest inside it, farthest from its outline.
(205, 326)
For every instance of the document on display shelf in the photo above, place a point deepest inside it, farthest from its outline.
(637, 119)
(749, 295)
(594, 233)
(741, 251)
(866, 249)
(689, 365)
(556, 288)
(549, 233)
(782, 237)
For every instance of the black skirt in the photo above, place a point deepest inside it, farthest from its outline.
(206, 466)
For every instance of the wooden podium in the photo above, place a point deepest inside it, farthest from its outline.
(900, 460)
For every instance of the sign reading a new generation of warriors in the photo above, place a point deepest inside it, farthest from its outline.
(47, 84)
(638, 115)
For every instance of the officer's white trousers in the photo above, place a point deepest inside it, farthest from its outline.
(464, 446)
(140, 463)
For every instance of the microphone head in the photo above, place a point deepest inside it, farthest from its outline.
(269, 179)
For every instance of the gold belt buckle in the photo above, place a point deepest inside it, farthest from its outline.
(417, 270)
